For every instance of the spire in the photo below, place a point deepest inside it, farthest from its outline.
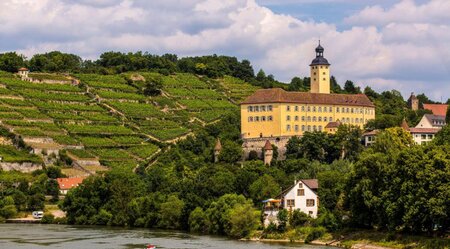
(319, 60)
(319, 50)
(405, 125)
(267, 146)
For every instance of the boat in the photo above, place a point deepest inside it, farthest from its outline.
(150, 246)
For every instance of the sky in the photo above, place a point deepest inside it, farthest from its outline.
(385, 44)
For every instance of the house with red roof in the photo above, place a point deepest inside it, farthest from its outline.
(65, 184)
(436, 109)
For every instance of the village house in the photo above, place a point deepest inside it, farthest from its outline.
(302, 195)
(66, 184)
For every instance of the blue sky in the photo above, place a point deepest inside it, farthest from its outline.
(386, 44)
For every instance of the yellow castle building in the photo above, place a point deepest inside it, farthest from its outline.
(271, 114)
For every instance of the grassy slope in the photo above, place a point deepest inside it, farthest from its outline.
(110, 116)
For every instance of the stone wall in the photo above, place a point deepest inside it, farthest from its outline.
(38, 140)
(22, 167)
(257, 144)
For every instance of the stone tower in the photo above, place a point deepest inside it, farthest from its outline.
(217, 150)
(268, 153)
(320, 72)
(413, 102)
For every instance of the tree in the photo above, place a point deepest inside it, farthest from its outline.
(55, 61)
(197, 221)
(283, 218)
(350, 87)
(296, 85)
(53, 172)
(11, 62)
(443, 136)
(447, 116)
(153, 86)
(36, 202)
(335, 87)
(52, 188)
(231, 152)
(243, 219)
(170, 213)
(263, 188)
(348, 140)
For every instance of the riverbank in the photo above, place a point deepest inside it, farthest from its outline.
(361, 239)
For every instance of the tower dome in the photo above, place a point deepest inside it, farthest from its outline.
(319, 60)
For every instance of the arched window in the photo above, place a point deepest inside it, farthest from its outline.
(303, 108)
(309, 119)
(320, 119)
(320, 109)
(331, 119)
(320, 128)
(288, 128)
(256, 108)
(314, 119)
(269, 118)
(314, 128)
(337, 109)
(250, 109)
(263, 118)
(296, 128)
(288, 118)
(296, 108)
(296, 118)
(250, 119)
(330, 109)
(325, 119)
(314, 109)
(257, 119)
(288, 108)
(309, 108)
(309, 127)
(269, 108)
(263, 108)
(303, 118)
(303, 128)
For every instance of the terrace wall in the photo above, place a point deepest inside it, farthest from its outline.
(22, 167)
(257, 144)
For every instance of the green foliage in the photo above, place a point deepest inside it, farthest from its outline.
(153, 86)
(283, 218)
(48, 219)
(171, 212)
(55, 62)
(243, 219)
(298, 218)
(13, 155)
(231, 152)
(263, 188)
(197, 221)
(11, 62)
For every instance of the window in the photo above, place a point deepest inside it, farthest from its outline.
(348, 109)
(309, 127)
(357, 120)
(352, 110)
(296, 118)
(250, 119)
(310, 202)
(296, 108)
(263, 108)
(314, 109)
(288, 128)
(269, 118)
(303, 108)
(309, 108)
(303, 128)
(269, 108)
(320, 109)
(424, 136)
(256, 108)
(430, 136)
(288, 118)
(303, 118)
(324, 79)
(300, 192)
(330, 109)
(331, 119)
(250, 109)
(257, 119)
(324, 73)
(314, 73)
(348, 120)
(320, 119)
(309, 119)
(320, 128)
(296, 128)
(314, 119)
(314, 128)
(290, 203)
(361, 120)
(288, 108)
(300, 185)
(263, 118)
(337, 109)
(310, 213)
(325, 119)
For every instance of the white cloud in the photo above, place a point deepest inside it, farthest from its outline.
(402, 47)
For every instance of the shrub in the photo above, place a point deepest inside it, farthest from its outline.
(197, 221)
(48, 219)
(298, 218)
(282, 216)
(315, 233)
(253, 155)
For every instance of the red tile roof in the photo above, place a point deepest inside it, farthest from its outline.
(424, 130)
(311, 183)
(23, 69)
(371, 133)
(68, 183)
(268, 146)
(333, 125)
(437, 109)
(278, 95)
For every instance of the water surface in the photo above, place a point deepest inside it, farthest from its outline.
(35, 236)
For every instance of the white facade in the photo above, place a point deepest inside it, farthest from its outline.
(300, 196)
(431, 121)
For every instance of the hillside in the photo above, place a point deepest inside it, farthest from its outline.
(108, 118)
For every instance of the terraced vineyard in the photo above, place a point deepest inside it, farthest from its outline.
(107, 117)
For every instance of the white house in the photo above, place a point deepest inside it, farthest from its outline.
(302, 195)
(423, 135)
(431, 121)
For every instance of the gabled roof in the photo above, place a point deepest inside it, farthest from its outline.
(313, 184)
(68, 183)
(432, 117)
(23, 69)
(278, 95)
(405, 125)
(437, 109)
(371, 133)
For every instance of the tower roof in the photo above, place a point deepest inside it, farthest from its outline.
(319, 60)
(405, 125)
(268, 146)
(218, 145)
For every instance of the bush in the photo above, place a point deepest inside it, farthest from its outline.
(243, 219)
(298, 218)
(315, 233)
(328, 219)
(197, 221)
(48, 219)
(253, 155)
(8, 211)
(283, 217)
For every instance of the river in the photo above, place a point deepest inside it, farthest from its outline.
(35, 236)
